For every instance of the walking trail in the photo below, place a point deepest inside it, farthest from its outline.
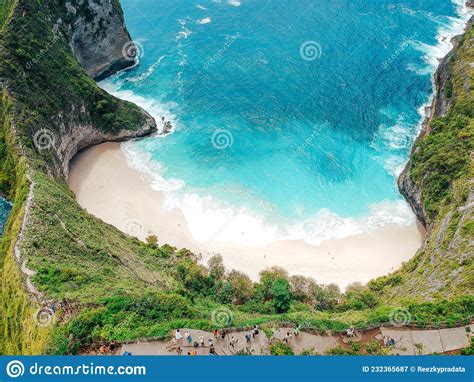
(407, 342)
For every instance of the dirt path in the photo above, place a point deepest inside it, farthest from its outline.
(407, 342)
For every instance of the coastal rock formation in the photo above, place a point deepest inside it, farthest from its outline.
(99, 38)
(438, 182)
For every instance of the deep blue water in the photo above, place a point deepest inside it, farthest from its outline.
(288, 111)
(5, 208)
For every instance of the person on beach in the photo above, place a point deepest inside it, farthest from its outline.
(288, 336)
(201, 340)
(216, 333)
(177, 335)
(222, 334)
(210, 342)
(179, 351)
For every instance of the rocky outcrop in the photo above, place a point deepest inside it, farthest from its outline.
(99, 39)
(440, 105)
(78, 137)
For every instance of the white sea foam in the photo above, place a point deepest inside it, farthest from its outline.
(154, 107)
(148, 73)
(205, 20)
(210, 220)
(234, 3)
(401, 136)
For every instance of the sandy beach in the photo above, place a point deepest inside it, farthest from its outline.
(108, 188)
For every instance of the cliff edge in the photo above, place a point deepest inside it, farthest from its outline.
(438, 181)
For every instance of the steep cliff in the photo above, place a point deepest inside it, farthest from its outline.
(51, 108)
(99, 38)
(438, 182)
(59, 110)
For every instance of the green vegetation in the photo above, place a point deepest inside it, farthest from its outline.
(280, 348)
(442, 168)
(107, 286)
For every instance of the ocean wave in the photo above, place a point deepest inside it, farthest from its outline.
(158, 110)
(210, 220)
(396, 139)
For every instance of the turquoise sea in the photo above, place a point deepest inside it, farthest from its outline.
(291, 118)
(5, 208)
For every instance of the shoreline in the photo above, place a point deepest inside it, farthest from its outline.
(357, 258)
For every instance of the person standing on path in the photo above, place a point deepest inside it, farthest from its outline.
(188, 338)
(201, 340)
(248, 337)
(233, 341)
(177, 335)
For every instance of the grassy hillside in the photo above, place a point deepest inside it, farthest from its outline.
(100, 284)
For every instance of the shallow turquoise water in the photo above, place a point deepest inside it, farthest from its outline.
(283, 111)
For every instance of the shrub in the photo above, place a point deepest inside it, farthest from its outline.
(281, 296)
(281, 348)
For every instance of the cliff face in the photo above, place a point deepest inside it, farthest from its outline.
(99, 39)
(60, 109)
(438, 181)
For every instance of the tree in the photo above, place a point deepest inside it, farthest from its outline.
(242, 286)
(268, 276)
(281, 295)
(152, 241)
(302, 288)
(216, 267)
(225, 293)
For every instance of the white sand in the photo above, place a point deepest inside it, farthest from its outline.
(108, 188)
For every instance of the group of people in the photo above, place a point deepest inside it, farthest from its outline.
(218, 335)
(190, 342)
(289, 334)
